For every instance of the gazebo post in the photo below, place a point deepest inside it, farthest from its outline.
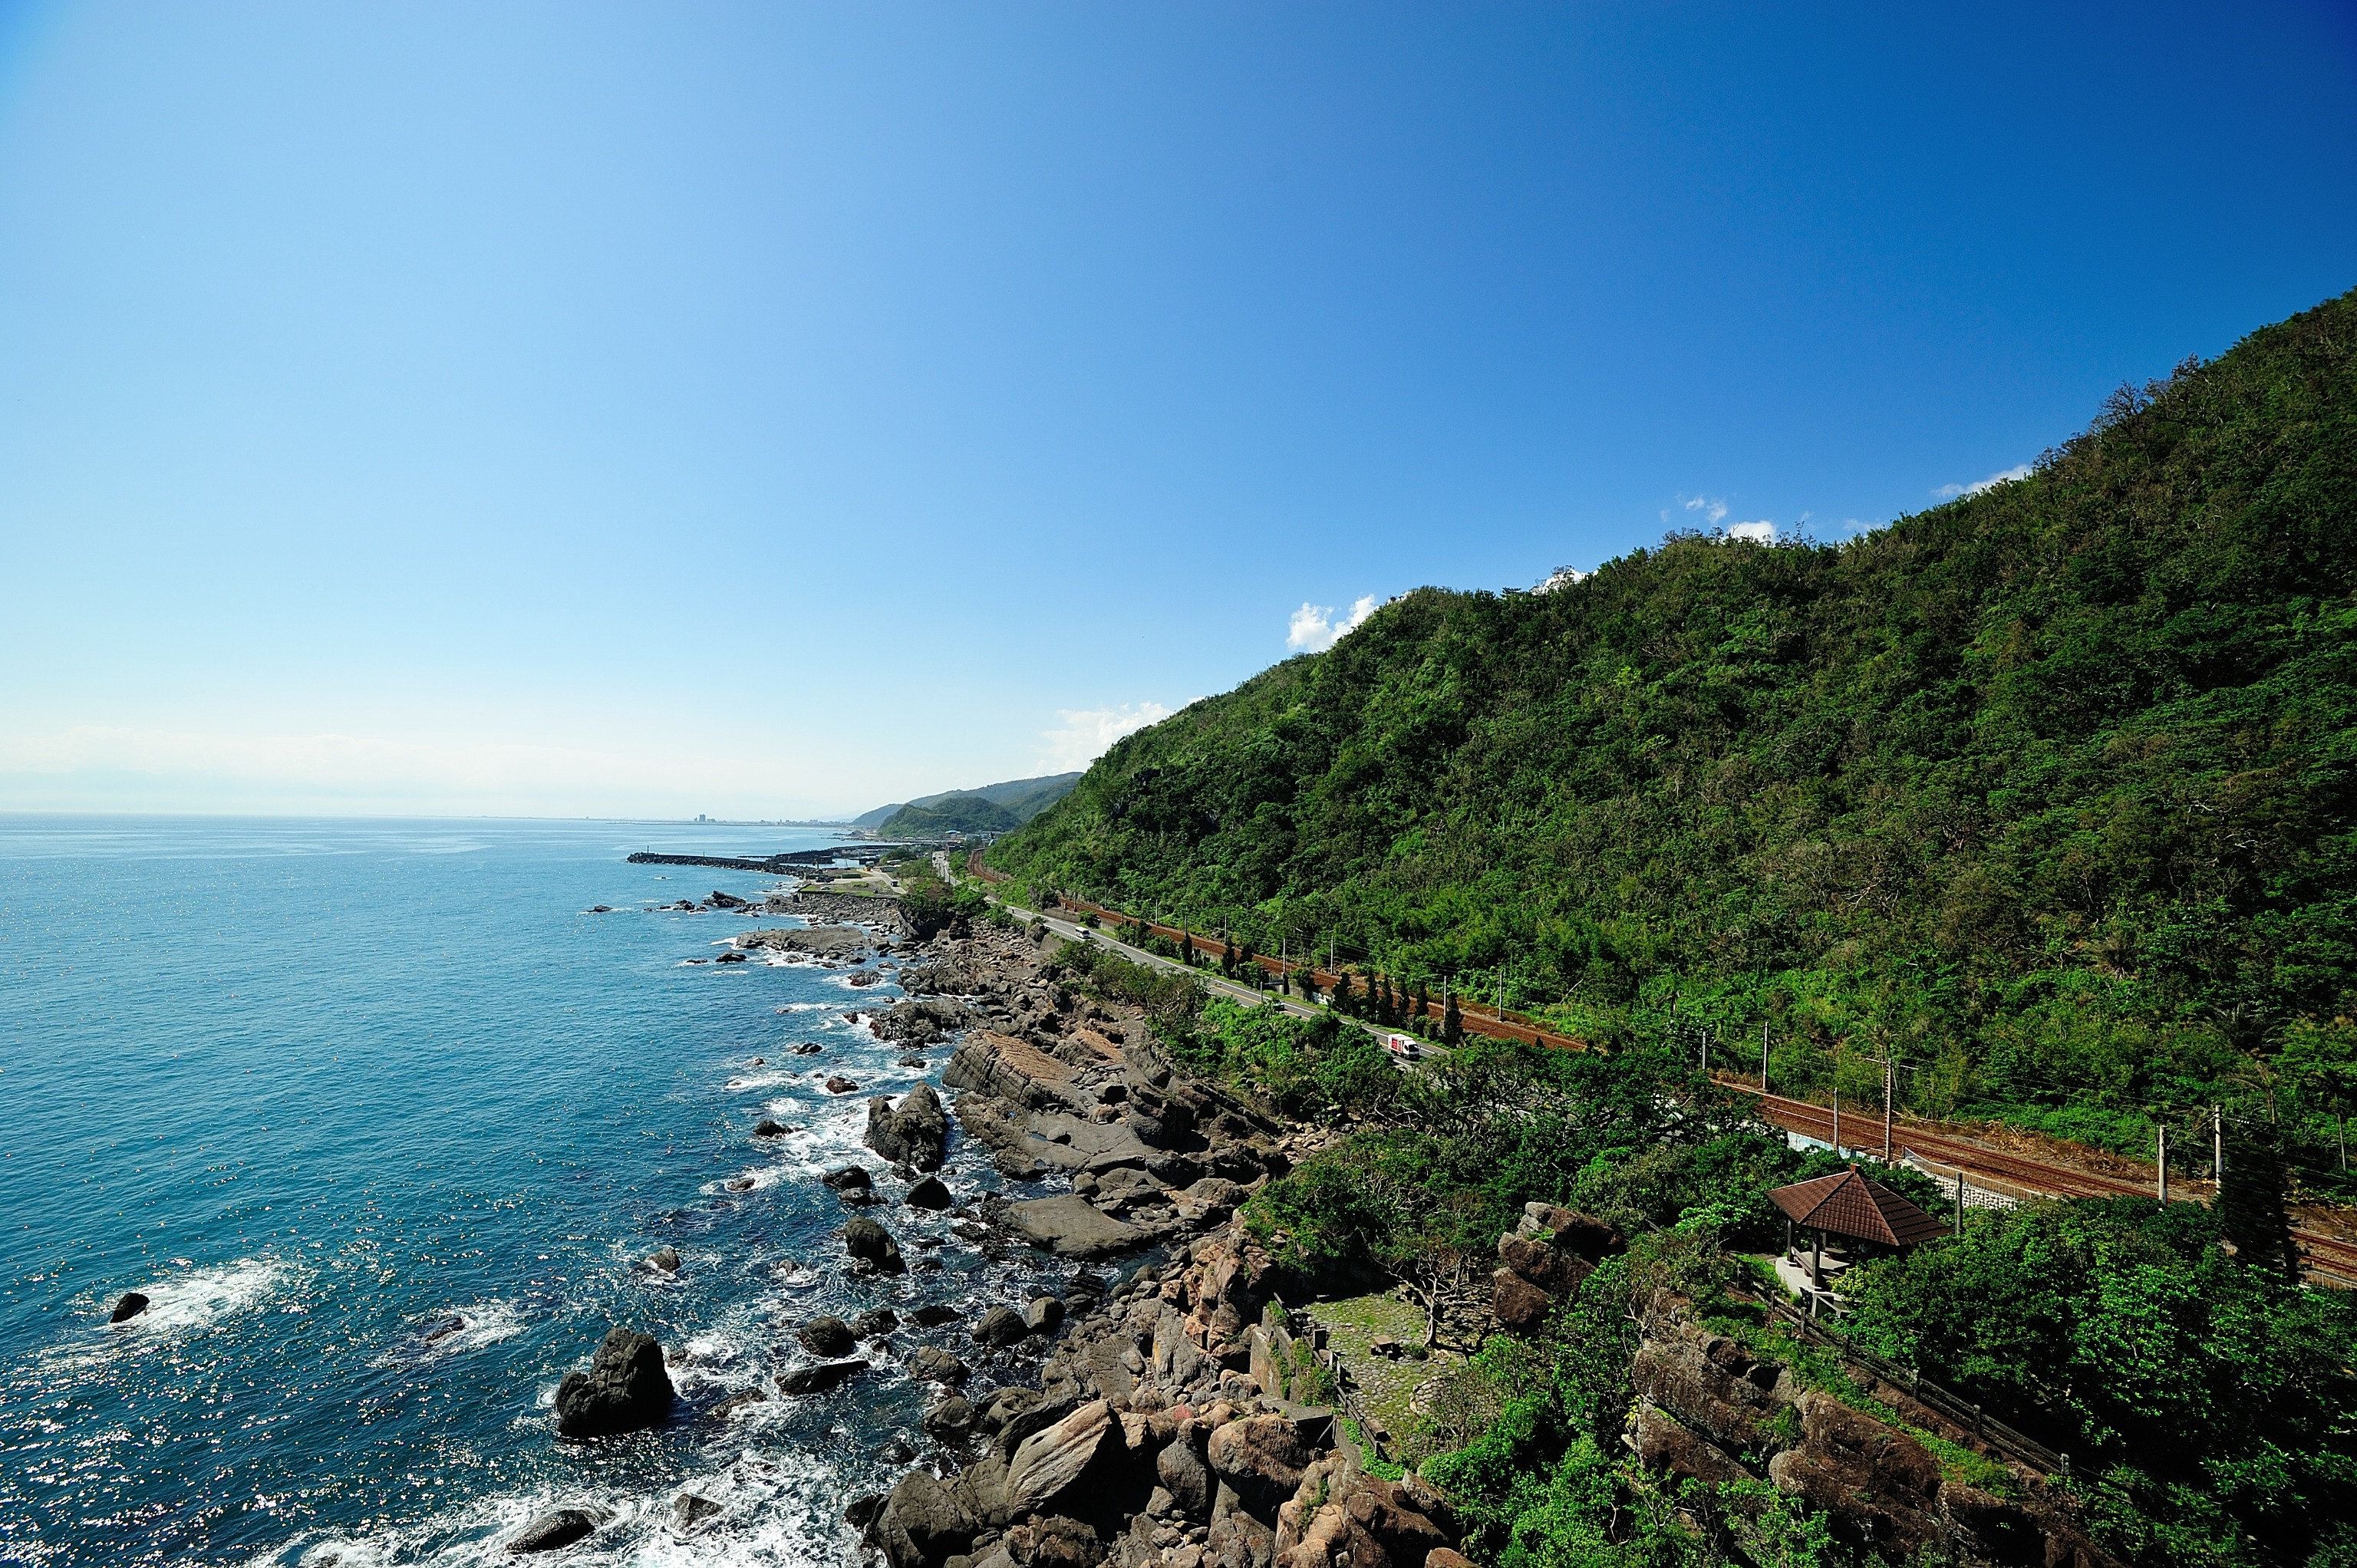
(1818, 1261)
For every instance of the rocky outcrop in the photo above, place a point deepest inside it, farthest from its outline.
(127, 1305)
(554, 1528)
(826, 1336)
(819, 1379)
(1543, 1259)
(916, 1131)
(1060, 1467)
(626, 1387)
(1069, 1227)
(1710, 1409)
(870, 1244)
(1343, 1517)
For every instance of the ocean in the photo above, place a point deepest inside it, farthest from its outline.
(320, 1089)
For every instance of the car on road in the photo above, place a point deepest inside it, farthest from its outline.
(1402, 1046)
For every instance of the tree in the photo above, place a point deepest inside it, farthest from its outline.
(1421, 1004)
(1452, 1022)
(2251, 1200)
(1228, 957)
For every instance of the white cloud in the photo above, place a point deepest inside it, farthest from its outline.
(1087, 731)
(1761, 532)
(2006, 476)
(1712, 508)
(1313, 627)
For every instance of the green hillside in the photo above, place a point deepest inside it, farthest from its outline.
(2048, 791)
(950, 814)
(1017, 799)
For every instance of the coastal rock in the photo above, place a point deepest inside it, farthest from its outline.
(1342, 1516)
(1060, 1465)
(847, 1178)
(934, 1365)
(689, 1510)
(819, 1379)
(929, 1193)
(933, 1314)
(950, 1419)
(1042, 1315)
(740, 1399)
(828, 1336)
(127, 1305)
(915, 1132)
(767, 1128)
(625, 1389)
(557, 1527)
(1005, 1405)
(923, 1524)
(1068, 1226)
(870, 1243)
(839, 1084)
(1262, 1459)
(875, 1320)
(1184, 1474)
(662, 1261)
(1001, 1327)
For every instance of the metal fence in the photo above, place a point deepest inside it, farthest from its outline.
(1950, 1407)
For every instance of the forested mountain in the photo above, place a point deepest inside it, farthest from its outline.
(992, 808)
(2048, 791)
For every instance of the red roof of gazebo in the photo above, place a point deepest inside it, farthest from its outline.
(1849, 1205)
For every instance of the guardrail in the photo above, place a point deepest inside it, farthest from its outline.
(1954, 1408)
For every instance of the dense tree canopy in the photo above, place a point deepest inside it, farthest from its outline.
(2050, 791)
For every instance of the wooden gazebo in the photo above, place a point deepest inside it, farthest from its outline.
(1856, 1208)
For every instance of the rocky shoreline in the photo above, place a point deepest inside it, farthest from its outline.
(1156, 1432)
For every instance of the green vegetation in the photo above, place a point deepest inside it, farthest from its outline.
(2209, 1404)
(994, 807)
(2213, 1400)
(2050, 792)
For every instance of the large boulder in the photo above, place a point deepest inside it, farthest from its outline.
(829, 1337)
(1551, 1268)
(916, 1131)
(625, 1389)
(819, 1379)
(1057, 1468)
(1343, 1518)
(1521, 1306)
(127, 1305)
(923, 1524)
(557, 1527)
(1001, 1327)
(950, 1419)
(929, 1192)
(1261, 1459)
(1184, 1474)
(870, 1243)
(1572, 1231)
(1069, 1227)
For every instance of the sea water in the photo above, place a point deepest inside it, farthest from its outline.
(321, 1090)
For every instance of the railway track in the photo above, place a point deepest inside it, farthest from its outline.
(2325, 1255)
(1996, 1170)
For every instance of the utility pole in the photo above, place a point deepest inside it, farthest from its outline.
(1960, 1200)
(2218, 1147)
(2162, 1130)
(1888, 1073)
(1763, 1056)
(1705, 1055)
(1837, 1124)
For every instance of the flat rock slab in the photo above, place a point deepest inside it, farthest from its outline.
(1068, 1226)
(1075, 1142)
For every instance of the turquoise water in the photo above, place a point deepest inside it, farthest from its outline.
(318, 1088)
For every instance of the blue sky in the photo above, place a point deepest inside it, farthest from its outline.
(771, 410)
